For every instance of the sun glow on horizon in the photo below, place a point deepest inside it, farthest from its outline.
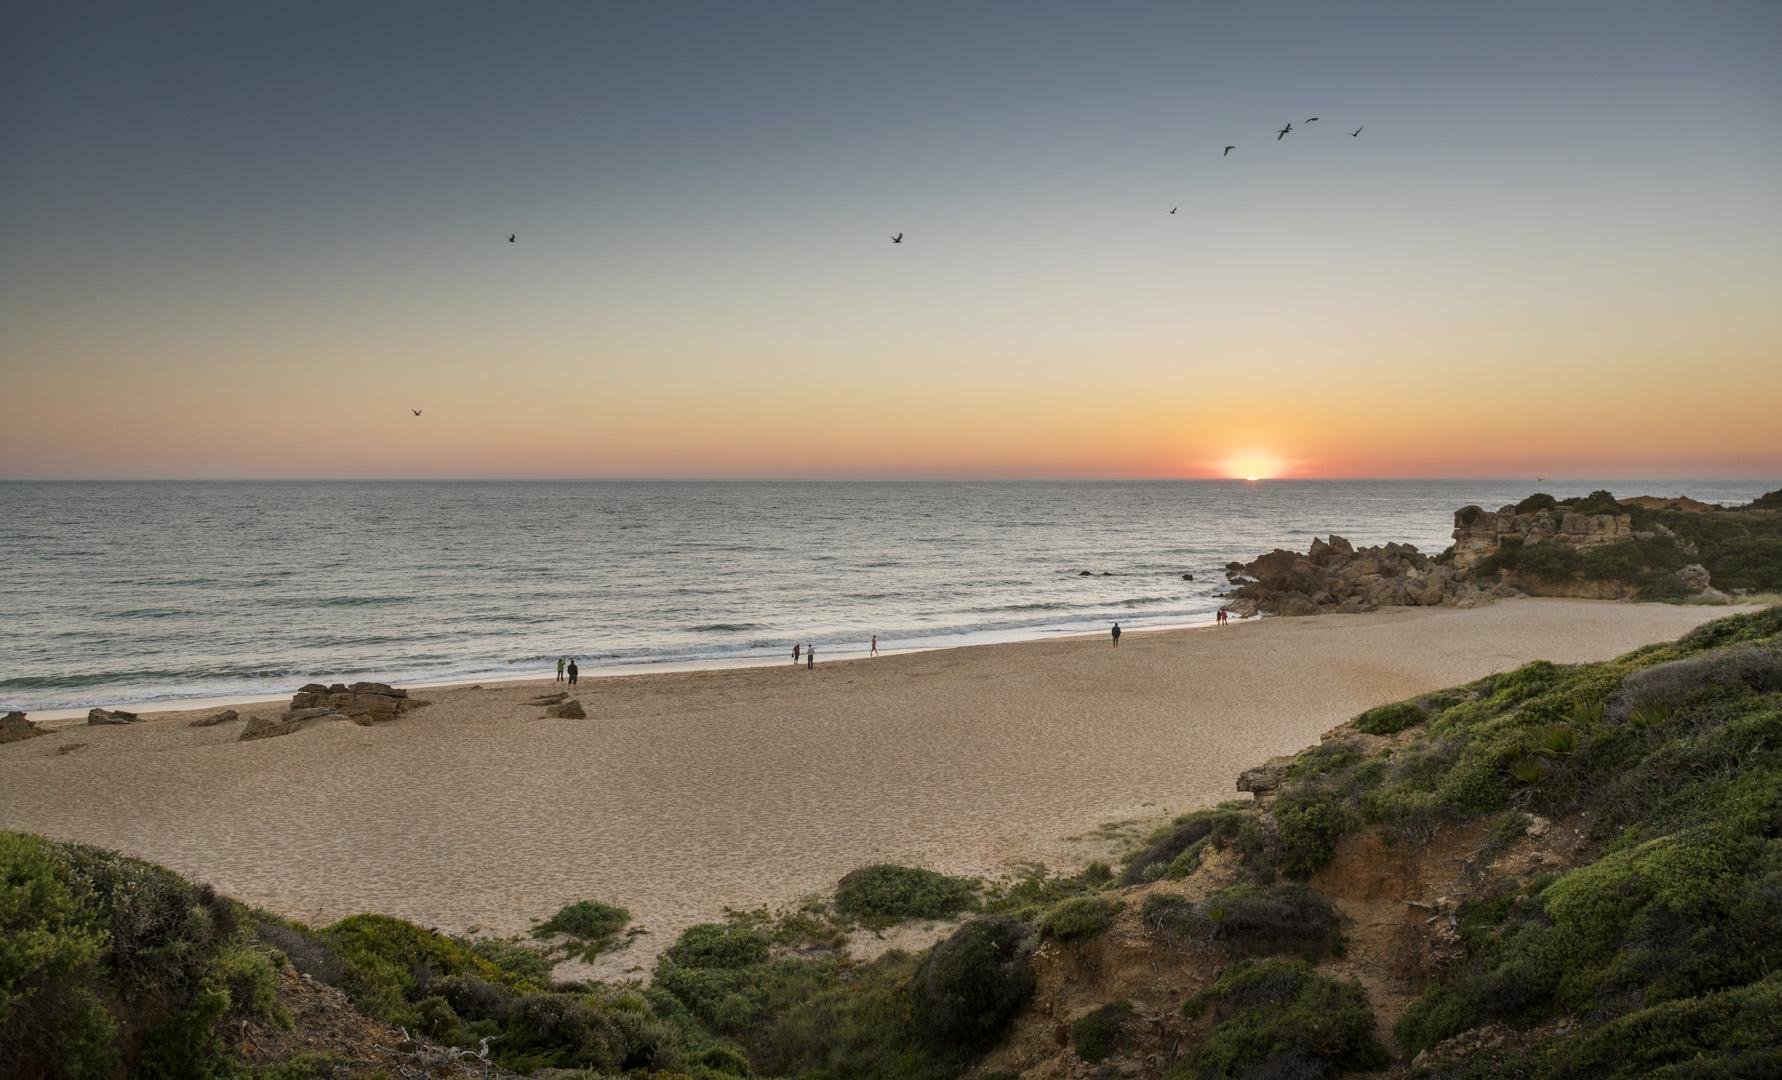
(1253, 465)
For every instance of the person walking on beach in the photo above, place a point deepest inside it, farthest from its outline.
(810, 657)
(796, 650)
(573, 671)
(559, 669)
(1116, 635)
(875, 646)
(1221, 618)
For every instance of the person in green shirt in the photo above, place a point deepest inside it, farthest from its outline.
(559, 669)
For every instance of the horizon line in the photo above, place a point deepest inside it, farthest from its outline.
(914, 479)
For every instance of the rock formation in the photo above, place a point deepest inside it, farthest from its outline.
(112, 716)
(570, 709)
(376, 701)
(1480, 533)
(15, 728)
(223, 717)
(1334, 576)
(363, 703)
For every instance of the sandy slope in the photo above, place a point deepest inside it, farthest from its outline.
(684, 793)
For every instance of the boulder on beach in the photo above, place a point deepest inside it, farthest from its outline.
(267, 727)
(378, 701)
(111, 716)
(223, 717)
(570, 709)
(15, 728)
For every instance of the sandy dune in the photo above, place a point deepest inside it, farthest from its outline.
(685, 793)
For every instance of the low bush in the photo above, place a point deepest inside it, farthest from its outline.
(113, 966)
(1097, 1034)
(1279, 1018)
(885, 893)
(589, 925)
(1390, 719)
(1665, 686)
(1309, 824)
(1249, 921)
(974, 982)
(1080, 917)
(1173, 851)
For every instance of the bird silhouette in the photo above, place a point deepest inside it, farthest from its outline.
(511, 237)
(898, 239)
(1354, 133)
(1228, 151)
(1311, 119)
(1282, 134)
(417, 412)
(1173, 209)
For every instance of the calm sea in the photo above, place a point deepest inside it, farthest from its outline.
(119, 593)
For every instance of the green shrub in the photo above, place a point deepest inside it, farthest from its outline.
(389, 964)
(1279, 1018)
(1097, 1034)
(590, 926)
(1249, 921)
(1080, 917)
(1233, 826)
(1390, 719)
(719, 945)
(1597, 502)
(885, 893)
(974, 982)
(51, 945)
(1537, 501)
(1309, 825)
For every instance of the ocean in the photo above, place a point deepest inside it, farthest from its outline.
(144, 592)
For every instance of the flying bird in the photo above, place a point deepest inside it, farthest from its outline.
(1228, 151)
(1282, 134)
(510, 237)
(1173, 209)
(417, 412)
(898, 239)
(1311, 119)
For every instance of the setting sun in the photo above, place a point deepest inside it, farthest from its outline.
(1253, 465)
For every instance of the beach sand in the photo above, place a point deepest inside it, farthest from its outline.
(686, 793)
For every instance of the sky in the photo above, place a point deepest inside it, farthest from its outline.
(246, 239)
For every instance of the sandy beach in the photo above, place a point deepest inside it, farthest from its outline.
(685, 793)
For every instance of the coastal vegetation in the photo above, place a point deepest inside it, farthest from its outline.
(1590, 856)
(1740, 548)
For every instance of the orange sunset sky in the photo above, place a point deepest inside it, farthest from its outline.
(245, 240)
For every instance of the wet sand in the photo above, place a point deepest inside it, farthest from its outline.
(686, 793)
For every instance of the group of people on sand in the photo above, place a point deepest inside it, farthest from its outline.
(566, 665)
(808, 653)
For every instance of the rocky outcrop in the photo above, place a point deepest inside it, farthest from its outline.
(223, 717)
(363, 703)
(15, 728)
(112, 716)
(1334, 576)
(374, 701)
(292, 720)
(1480, 533)
(569, 709)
